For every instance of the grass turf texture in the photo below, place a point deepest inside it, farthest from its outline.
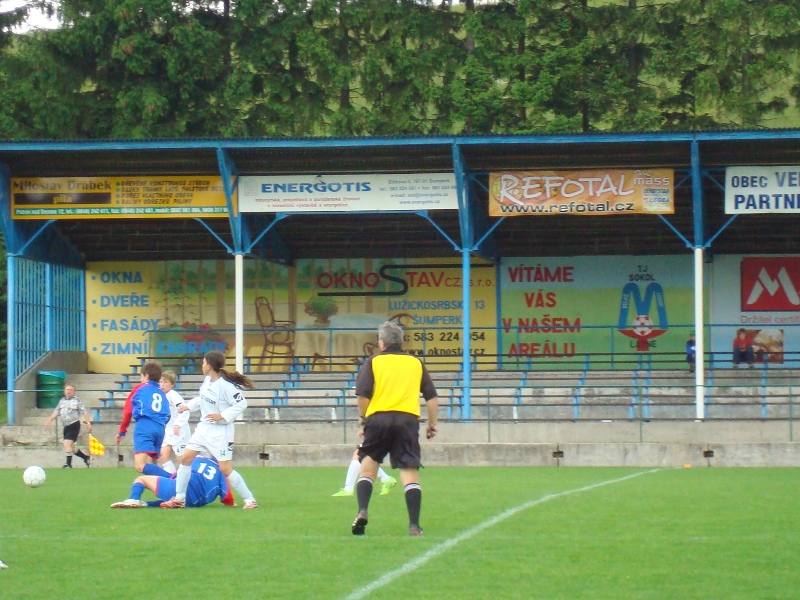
(673, 533)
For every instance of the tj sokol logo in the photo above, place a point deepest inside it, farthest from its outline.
(770, 283)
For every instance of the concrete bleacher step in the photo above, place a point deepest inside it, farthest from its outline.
(27, 435)
(600, 395)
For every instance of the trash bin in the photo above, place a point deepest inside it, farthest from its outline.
(50, 388)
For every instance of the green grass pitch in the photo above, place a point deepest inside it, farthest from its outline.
(489, 533)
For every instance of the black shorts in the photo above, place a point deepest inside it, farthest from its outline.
(72, 430)
(395, 434)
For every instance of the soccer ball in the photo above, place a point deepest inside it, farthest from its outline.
(642, 325)
(34, 476)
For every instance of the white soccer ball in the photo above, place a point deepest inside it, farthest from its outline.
(642, 325)
(34, 476)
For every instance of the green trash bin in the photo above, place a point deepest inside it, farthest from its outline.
(50, 388)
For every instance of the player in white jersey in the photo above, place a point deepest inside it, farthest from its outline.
(220, 402)
(177, 432)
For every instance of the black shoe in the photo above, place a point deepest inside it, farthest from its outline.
(360, 523)
(67, 467)
(87, 461)
(414, 530)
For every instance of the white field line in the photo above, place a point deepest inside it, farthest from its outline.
(469, 533)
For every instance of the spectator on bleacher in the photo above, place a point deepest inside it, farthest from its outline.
(388, 387)
(691, 352)
(177, 432)
(743, 349)
(220, 402)
(72, 411)
(149, 407)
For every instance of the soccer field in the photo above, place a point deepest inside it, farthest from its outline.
(489, 533)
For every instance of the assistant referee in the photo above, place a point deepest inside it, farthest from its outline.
(388, 387)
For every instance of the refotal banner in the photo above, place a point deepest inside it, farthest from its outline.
(593, 192)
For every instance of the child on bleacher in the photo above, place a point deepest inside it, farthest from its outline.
(691, 352)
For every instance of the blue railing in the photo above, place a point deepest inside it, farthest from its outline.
(314, 347)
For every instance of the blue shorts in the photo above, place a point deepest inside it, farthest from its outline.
(165, 488)
(148, 437)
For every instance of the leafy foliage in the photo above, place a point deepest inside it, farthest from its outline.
(250, 68)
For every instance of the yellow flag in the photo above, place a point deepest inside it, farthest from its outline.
(95, 447)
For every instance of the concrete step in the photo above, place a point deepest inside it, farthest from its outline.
(27, 435)
(624, 453)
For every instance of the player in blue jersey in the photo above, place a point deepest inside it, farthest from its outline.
(220, 402)
(206, 484)
(148, 406)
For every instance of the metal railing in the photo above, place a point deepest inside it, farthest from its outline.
(633, 401)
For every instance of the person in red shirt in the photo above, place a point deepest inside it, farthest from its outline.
(743, 349)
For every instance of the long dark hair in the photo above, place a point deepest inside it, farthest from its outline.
(216, 360)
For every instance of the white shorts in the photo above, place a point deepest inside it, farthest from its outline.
(176, 442)
(207, 443)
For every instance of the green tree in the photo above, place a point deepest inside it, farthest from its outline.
(237, 68)
(411, 56)
(745, 51)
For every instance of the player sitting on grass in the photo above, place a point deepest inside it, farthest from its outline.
(206, 484)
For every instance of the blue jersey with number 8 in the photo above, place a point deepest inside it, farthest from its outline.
(150, 402)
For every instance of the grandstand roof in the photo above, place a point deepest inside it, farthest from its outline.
(409, 235)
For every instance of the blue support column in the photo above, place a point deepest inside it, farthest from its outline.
(49, 322)
(467, 239)
(11, 295)
(227, 171)
(699, 234)
(230, 182)
(11, 337)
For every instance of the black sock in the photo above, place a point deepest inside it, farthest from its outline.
(81, 454)
(69, 459)
(363, 492)
(413, 503)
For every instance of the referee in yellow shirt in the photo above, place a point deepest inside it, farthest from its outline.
(388, 387)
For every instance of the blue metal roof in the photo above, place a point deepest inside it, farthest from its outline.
(408, 234)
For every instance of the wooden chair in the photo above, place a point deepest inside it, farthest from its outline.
(279, 336)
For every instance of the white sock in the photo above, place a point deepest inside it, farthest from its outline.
(168, 466)
(240, 486)
(353, 471)
(382, 474)
(182, 481)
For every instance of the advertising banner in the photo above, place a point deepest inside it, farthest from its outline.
(557, 310)
(319, 314)
(117, 197)
(592, 192)
(753, 190)
(342, 302)
(363, 192)
(173, 309)
(759, 294)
